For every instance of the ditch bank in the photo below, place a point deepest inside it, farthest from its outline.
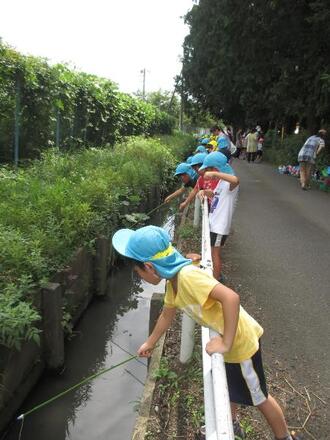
(106, 334)
(37, 345)
(84, 278)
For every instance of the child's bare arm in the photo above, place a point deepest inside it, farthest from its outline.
(174, 195)
(163, 323)
(205, 193)
(230, 306)
(233, 180)
(190, 197)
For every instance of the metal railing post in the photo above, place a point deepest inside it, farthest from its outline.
(187, 338)
(197, 212)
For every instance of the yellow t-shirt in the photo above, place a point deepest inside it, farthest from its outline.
(194, 288)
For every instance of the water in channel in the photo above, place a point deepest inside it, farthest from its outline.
(105, 408)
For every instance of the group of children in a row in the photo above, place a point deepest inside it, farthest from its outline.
(209, 175)
(202, 296)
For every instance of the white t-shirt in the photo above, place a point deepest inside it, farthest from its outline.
(222, 208)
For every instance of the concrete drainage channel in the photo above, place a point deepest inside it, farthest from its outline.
(103, 408)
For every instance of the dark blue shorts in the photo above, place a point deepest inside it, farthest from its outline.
(247, 382)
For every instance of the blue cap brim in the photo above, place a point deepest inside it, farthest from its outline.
(224, 169)
(120, 240)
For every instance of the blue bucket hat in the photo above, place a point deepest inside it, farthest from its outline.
(198, 159)
(219, 161)
(205, 141)
(189, 159)
(152, 244)
(185, 168)
(223, 142)
(201, 149)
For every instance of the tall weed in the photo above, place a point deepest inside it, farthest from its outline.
(63, 201)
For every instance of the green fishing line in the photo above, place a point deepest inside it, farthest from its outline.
(87, 379)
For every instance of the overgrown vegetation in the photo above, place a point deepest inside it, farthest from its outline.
(63, 201)
(47, 106)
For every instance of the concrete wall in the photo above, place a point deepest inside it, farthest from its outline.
(20, 370)
(84, 277)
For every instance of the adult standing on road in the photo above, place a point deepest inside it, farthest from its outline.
(260, 143)
(239, 142)
(307, 155)
(252, 143)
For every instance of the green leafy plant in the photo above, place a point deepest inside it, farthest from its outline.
(17, 317)
(167, 377)
(136, 217)
(186, 231)
(59, 106)
(61, 202)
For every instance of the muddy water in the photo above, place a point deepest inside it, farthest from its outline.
(104, 409)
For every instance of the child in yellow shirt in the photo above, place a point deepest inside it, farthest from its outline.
(211, 304)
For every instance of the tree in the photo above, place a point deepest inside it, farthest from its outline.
(259, 62)
(165, 101)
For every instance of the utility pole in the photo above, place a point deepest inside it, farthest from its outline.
(144, 84)
(181, 106)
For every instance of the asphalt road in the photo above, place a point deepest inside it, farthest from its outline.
(280, 253)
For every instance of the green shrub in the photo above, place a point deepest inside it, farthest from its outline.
(61, 202)
(66, 108)
(17, 315)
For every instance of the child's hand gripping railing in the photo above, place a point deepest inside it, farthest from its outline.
(218, 420)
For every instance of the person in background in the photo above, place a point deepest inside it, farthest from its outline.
(224, 145)
(201, 149)
(260, 143)
(251, 148)
(307, 155)
(191, 289)
(188, 177)
(230, 134)
(239, 142)
(215, 132)
(211, 146)
(205, 141)
(244, 144)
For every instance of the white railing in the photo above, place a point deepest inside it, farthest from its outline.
(218, 420)
(188, 324)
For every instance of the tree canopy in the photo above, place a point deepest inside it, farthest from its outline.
(260, 62)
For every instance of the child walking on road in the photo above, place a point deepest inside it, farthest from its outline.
(211, 304)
